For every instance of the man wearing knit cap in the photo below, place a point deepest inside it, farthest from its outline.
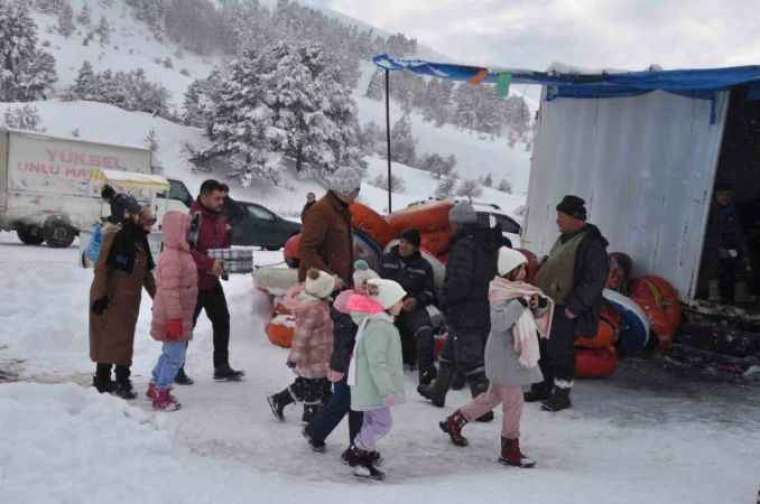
(573, 275)
(326, 238)
(470, 268)
(404, 264)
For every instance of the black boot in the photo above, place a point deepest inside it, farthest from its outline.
(558, 400)
(123, 386)
(478, 385)
(182, 378)
(363, 463)
(427, 376)
(538, 392)
(316, 445)
(101, 380)
(310, 411)
(436, 391)
(278, 402)
(226, 373)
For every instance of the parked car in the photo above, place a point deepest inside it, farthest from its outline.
(256, 226)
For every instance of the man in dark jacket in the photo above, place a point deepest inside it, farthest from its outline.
(213, 233)
(311, 199)
(470, 268)
(405, 265)
(573, 275)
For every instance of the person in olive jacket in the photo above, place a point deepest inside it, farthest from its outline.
(404, 264)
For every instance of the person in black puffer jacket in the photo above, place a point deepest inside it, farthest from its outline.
(470, 268)
(404, 264)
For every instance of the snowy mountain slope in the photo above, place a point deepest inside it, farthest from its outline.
(132, 46)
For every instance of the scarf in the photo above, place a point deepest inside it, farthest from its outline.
(351, 379)
(529, 323)
(124, 249)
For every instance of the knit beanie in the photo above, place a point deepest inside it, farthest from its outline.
(362, 273)
(319, 284)
(386, 292)
(573, 206)
(412, 236)
(509, 259)
(345, 180)
(121, 204)
(463, 213)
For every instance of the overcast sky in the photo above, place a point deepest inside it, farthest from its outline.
(624, 34)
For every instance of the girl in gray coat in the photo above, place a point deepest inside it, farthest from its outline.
(519, 314)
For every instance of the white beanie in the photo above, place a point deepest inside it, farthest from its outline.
(319, 284)
(362, 273)
(509, 259)
(386, 292)
(345, 180)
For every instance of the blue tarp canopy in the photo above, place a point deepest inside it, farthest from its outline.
(698, 83)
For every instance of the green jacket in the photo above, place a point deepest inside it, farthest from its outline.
(378, 367)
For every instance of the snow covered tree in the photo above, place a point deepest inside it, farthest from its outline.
(85, 86)
(103, 31)
(49, 6)
(402, 142)
(127, 90)
(437, 165)
(372, 139)
(505, 186)
(200, 99)
(66, 20)
(151, 12)
(376, 87)
(23, 118)
(396, 183)
(151, 140)
(470, 189)
(445, 188)
(84, 17)
(27, 72)
(488, 181)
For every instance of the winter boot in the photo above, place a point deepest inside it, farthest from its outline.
(363, 464)
(182, 378)
(165, 401)
(152, 392)
(226, 373)
(458, 381)
(479, 385)
(538, 392)
(278, 402)
(310, 411)
(436, 391)
(558, 400)
(512, 456)
(316, 445)
(123, 386)
(101, 380)
(427, 376)
(375, 456)
(453, 426)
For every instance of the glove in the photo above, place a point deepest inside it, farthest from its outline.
(174, 329)
(335, 376)
(390, 401)
(100, 305)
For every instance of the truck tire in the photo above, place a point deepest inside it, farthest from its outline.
(58, 233)
(30, 235)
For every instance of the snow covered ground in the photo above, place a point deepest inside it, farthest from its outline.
(641, 436)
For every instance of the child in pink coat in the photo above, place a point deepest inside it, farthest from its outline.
(173, 307)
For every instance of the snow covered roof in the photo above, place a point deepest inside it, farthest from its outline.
(132, 180)
(562, 81)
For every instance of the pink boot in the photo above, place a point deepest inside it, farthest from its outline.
(164, 401)
(152, 392)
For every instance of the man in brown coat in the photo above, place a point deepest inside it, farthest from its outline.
(326, 238)
(122, 271)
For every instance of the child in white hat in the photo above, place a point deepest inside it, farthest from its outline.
(520, 313)
(376, 373)
(311, 348)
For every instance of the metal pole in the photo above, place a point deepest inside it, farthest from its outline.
(388, 133)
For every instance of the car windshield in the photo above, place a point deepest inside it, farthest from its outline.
(260, 213)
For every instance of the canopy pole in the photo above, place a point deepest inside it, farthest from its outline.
(388, 133)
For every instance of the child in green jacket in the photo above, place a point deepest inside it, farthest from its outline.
(376, 373)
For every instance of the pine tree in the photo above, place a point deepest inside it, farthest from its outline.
(66, 20)
(505, 186)
(470, 189)
(103, 30)
(84, 18)
(488, 180)
(376, 87)
(27, 72)
(23, 118)
(445, 188)
(402, 142)
(200, 99)
(85, 86)
(396, 183)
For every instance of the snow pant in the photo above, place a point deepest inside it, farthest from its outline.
(331, 415)
(214, 303)
(417, 341)
(376, 425)
(464, 352)
(557, 360)
(169, 362)
(511, 399)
